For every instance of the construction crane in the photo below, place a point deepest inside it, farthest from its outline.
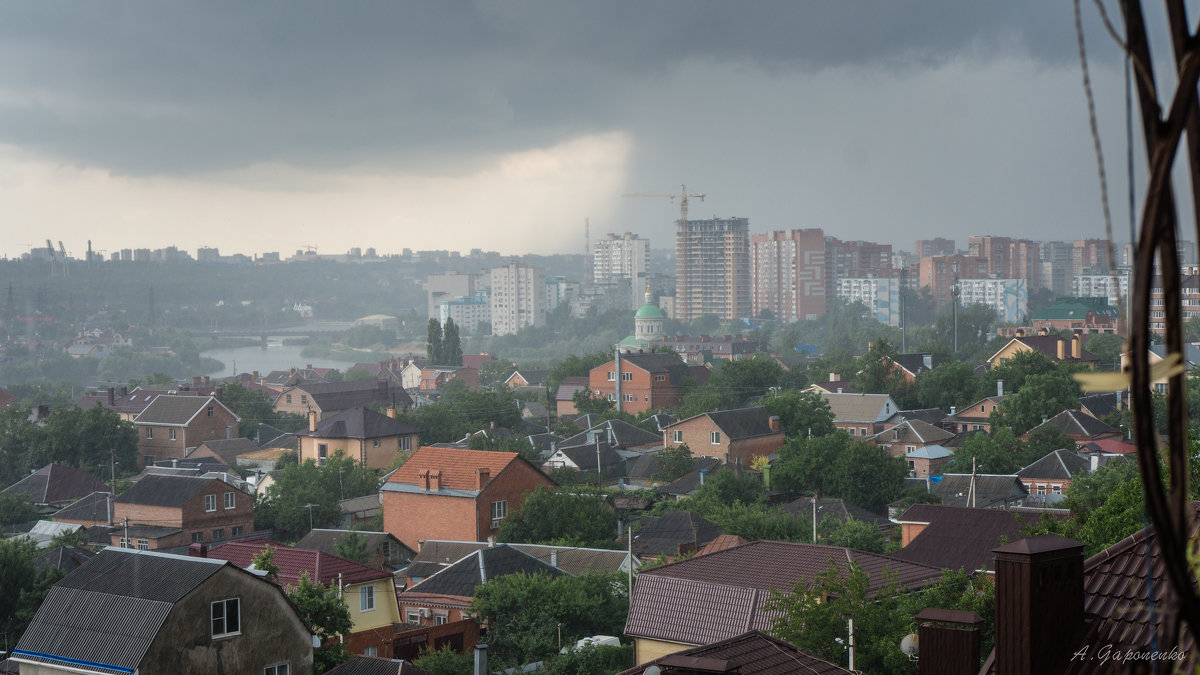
(681, 274)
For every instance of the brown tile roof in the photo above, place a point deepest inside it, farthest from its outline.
(228, 450)
(458, 466)
(959, 536)
(991, 490)
(568, 387)
(176, 410)
(721, 543)
(751, 653)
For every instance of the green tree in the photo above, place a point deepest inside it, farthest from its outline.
(1108, 347)
(737, 382)
(264, 560)
(353, 546)
(878, 372)
(591, 660)
(494, 373)
(851, 533)
(674, 462)
(17, 575)
(327, 613)
(1040, 397)
(88, 440)
(15, 508)
(587, 404)
(838, 466)
(577, 518)
(997, 453)
(357, 374)
(433, 343)
(801, 413)
(445, 661)
(452, 352)
(286, 506)
(524, 613)
(949, 385)
(1014, 371)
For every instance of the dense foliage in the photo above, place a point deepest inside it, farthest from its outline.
(575, 517)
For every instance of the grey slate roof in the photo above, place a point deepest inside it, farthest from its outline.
(56, 484)
(64, 558)
(109, 611)
(372, 665)
(1076, 424)
(691, 481)
(227, 449)
(481, 566)
(928, 415)
(832, 507)
(1099, 405)
(326, 540)
(743, 422)
(991, 490)
(359, 423)
(614, 434)
(330, 396)
(177, 411)
(157, 490)
(673, 534)
(917, 363)
(436, 555)
(1058, 465)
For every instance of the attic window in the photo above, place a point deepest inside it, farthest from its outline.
(226, 618)
(210, 411)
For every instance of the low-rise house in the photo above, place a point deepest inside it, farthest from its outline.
(385, 551)
(167, 511)
(909, 366)
(329, 398)
(1103, 404)
(43, 532)
(672, 535)
(736, 436)
(449, 493)
(129, 404)
(1049, 478)
(564, 398)
(975, 417)
(989, 491)
(55, 485)
(751, 653)
(90, 511)
(172, 424)
(225, 450)
(808, 509)
(436, 555)
(526, 378)
(928, 460)
(957, 537)
(834, 385)
(374, 665)
(1079, 426)
(707, 348)
(370, 593)
(359, 511)
(367, 437)
(860, 415)
(705, 467)
(714, 597)
(1055, 347)
(907, 436)
(142, 612)
(433, 378)
(650, 381)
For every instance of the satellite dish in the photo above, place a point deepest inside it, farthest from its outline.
(909, 645)
(652, 670)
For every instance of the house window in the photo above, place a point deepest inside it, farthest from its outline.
(147, 460)
(210, 503)
(714, 438)
(371, 651)
(660, 378)
(218, 535)
(229, 501)
(412, 617)
(612, 376)
(1056, 488)
(210, 410)
(626, 377)
(143, 544)
(366, 598)
(440, 619)
(226, 618)
(850, 430)
(405, 442)
(322, 450)
(910, 448)
(862, 431)
(149, 432)
(125, 543)
(677, 435)
(288, 398)
(1041, 488)
(197, 537)
(303, 398)
(238, 531)
(500, 509)
(171, 433)
(281, 669)
(375, 443)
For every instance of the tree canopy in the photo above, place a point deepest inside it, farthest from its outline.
(579, 517)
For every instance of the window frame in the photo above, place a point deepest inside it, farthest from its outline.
(278, 669)
(149, 433)
(225, 605)
(230, 501)
(366, 598)
(500, 509)
(714, 437)
(143, 544)
(171, 434)
(210, 503)
(677, 436)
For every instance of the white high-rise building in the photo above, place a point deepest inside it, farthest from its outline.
(1009, 297)
(624, 256)
(518, 298)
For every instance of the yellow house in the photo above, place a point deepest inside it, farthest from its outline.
(1055, 347)
(362, 434)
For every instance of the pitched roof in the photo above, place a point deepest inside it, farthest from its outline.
(1057, 465)
(673, 534)
(927, 415)
(1077, 425)
(656, 362)
(741, 423)
(614, 434)
(458, 467)
(159, 490)
(293, 562)
(991, 490)
(860, 407)
(177, 411)
(912, 432)
(930, 452)
(330, 396)
(94, 507)
(326, 541)
(228, 449)
(691, 481)
(56, 484)
(915, 364)
(1048, 345)
(533, 377)
(1099, 405)
(832, 507)
(720, 595)
(722, 542)
(359, 423)
(477, 568)
(64, 558)
(957, 537)
(568, 387)
(751, 653)
(373, 665)
(584, 456)
(87, 616)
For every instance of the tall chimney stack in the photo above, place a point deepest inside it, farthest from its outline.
(1039, 604)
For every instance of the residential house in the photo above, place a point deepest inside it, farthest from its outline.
(55, 485)
(172, 424)
(564, 398)
(957, 537)
(1190, 360)
(526, 378)
(989, 491)
(649, 381)
(1103, 404)
(373, 665)
(436, 555)
(585, 458)
(1078, 314)
(65, 559)
(909, 366)
(449, 493)
(329, 398)
(860, 415)
(370, 593)
(44, 532)
(410, 375)
(446, 595)
(167, 511)
(1079, 426)
(615, 441)
(672, 535)
(360, 511)
(433, 378)
(385, 551)
(91, 511)
(1055, 347)
(714, 597)
(367, 437)
(751, 653)
(1049, 478)
(820, 509)
(928, 460)
(225, 450)
(128, 611)
(737, 436)
(705, 467)
(975, 417)
(130, 404)
(907, 436)
(834, 385)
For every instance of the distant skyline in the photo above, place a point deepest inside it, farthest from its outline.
(503, 126)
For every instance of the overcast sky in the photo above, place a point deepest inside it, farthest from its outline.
(503, 125)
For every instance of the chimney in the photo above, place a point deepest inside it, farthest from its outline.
(391, 411)
(174, 463)
(491, 541)
(1061, 344)
(1095, 461)
(423, 477)
(198, 550)
(773, 423)
(949, 641)
(308, 366)
(481, 664)
(1076, 346)
(1044, 331)
(554, 556)
(124, 391)
(482, 476)
(254, 377)
(953, 411)
(195, 380)
(435, 480)
(999, 387)
(312, 420)
(1039, 604)
(206, 380)
(112, 396)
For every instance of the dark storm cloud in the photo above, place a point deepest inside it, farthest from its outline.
(177, 88)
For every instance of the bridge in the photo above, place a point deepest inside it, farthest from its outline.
(323, 328)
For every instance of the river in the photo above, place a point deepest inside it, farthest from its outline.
(277, 356)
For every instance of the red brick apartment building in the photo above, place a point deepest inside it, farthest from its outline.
(647, 381)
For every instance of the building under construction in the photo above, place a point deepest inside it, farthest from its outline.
(712, 268)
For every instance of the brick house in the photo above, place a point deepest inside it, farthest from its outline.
(169, 511)
(735, 436)
(975, 417)
(329, 398)
(369, 438)
(564, 398)
(451, 493)
(1055, 347)
(860, 415)
(1049, 478)
(433, 378)
(370, 593)
(647, 381)
(171, 424)
(927, 460)
(137, 612)
(908, 436)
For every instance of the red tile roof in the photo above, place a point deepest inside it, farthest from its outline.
(458, 466)
(292, 562)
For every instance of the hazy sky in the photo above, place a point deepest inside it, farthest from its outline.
(503, 125)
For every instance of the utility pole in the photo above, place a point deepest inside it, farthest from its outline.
(954, 293)
(310, 521)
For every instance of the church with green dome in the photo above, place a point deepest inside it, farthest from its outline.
(647, 325)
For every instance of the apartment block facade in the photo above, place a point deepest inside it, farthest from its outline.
(787, 274)
(881, 296)
(712, 268)
(624, 256)
(518, 298)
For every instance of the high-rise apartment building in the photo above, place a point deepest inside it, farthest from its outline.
(939, 273)
(622, 257)
(854, 260)
(787, 274)
(712, 268)
(928, 248)
(881, 296)
(1008, 297)
(518, 298)
(1089, 255)
(1057, 266)
(1009, 258)
(447, 287)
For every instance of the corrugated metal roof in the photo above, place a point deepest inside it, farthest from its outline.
(751, 653)
(160, 490)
